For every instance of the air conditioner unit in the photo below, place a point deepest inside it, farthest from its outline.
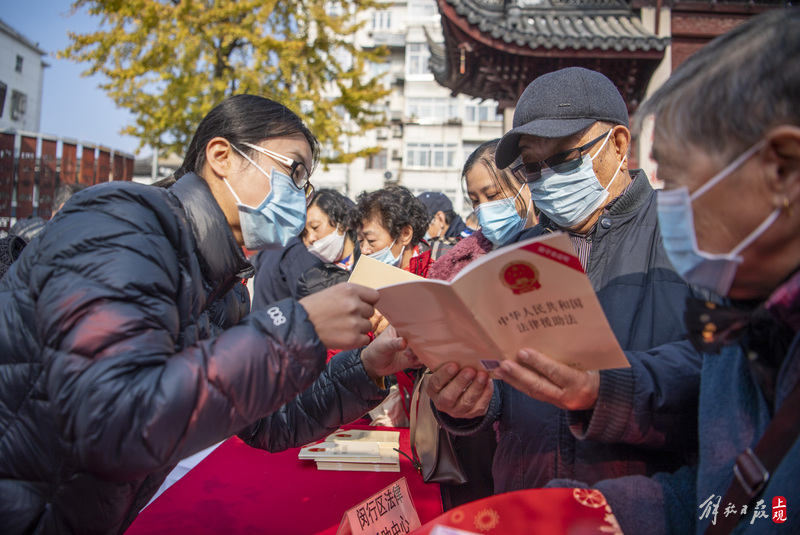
(390, 178)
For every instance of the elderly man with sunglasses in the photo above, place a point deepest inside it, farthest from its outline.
(570, 145)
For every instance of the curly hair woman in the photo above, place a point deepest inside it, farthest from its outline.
(391, 224)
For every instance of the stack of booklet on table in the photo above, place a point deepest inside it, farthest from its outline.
(356, 450)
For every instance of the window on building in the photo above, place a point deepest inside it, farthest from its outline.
(334, 9)
(18, 68)
(417, 155)
(382, 110)
(417, 56)
(382, 20)
(378, 161)
(436, 155)
(440, 156)
(476, 111)
(432, 109)
(422, 9)
(377, 70)
(19, 102)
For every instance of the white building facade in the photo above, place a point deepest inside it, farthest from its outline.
(21, 81)
(429, 133)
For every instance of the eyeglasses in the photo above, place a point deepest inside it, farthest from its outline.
(563, 162)
(298, 171)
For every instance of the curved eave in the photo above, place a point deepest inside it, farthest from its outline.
(530, 31)
(438, 58)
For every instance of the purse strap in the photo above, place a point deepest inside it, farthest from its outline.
(754, 466)
(414, 418)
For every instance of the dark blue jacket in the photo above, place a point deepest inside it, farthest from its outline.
(733, 416)
(114, 364)
(734, 412)
(638, 425)
(457, 228)
(278, 271)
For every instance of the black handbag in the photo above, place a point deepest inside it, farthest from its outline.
(431, 446)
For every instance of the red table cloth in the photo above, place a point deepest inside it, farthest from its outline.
(239, 489)
(556, 511)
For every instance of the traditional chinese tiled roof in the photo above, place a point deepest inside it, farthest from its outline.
(561, 25)
(494, 48)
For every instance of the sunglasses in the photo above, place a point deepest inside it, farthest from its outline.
(563, 162)
(298, 171)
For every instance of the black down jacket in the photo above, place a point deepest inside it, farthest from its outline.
(113, 361)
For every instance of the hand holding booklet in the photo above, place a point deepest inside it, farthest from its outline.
(531, 294)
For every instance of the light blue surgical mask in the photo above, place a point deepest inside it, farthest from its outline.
(714, 272)
(500, 221)
(569, 198)
(385, 255)
(280, 217)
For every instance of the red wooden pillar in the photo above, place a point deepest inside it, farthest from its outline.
(103, 165)
(47, 177)
(128, 168)
(6, 179)
(87, 175)
(118, 166)
(27, 176)
(69, 162)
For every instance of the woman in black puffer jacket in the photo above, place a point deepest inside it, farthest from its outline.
(123, 349)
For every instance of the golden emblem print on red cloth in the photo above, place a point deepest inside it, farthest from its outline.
(520, 277)
(589, 497)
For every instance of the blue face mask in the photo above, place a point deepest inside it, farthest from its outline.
(714, 272)
(280, 217)
(385, 255)
(569, 198)
(500, 221)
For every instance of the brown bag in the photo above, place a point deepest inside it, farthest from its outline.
(431, 447)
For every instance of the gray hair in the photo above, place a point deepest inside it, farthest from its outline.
(726, 96)
(64, 192)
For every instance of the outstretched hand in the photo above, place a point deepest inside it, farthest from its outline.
(388, 354)
(460, 393)
(341, 314)
(544, 378)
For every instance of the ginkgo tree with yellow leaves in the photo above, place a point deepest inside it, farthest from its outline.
(169, 62)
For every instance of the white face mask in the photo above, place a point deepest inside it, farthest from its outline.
(328, 249)
(676, 220)
(385, 255)
(428, 237)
